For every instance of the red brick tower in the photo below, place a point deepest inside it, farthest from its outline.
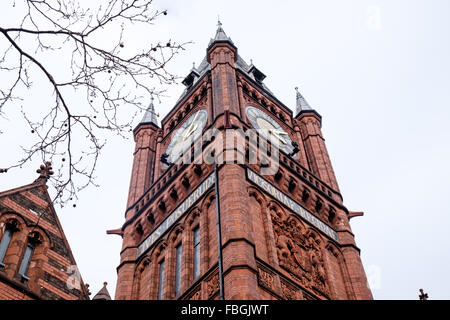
(35, 258)
(283, 236)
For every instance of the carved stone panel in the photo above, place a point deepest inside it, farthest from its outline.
(299, 252)
(265, 278)
(196, 294)
(212, 285)
(289, 291)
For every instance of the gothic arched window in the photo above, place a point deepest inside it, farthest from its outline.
(196, 232)
(26, 261)
(178, 255)
(33, 241)
(11, 226)
(159, 273)
(161, 280)
(175, 262)
(4, 244)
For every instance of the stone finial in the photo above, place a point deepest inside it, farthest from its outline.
(45, 171)
(423, 296)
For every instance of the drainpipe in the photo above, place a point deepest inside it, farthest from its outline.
(219, 235)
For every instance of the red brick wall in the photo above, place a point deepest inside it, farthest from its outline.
(9, 293)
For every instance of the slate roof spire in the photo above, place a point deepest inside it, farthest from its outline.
(103, 294)
(302, 104)
(150, 114)
(221, 36)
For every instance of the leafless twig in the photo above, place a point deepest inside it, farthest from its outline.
(115, 81)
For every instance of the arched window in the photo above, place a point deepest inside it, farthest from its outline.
(26, 261)
(4, 244)
(192, 246)
(178, 253)
(11, 226)
(161, 280)
(196, 252)
(175, 262)
(33, 241)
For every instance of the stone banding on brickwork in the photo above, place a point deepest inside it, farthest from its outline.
(176, 214)
(291, 204)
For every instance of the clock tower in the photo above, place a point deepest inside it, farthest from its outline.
(199, 228)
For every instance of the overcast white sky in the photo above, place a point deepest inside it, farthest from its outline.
(379, 74)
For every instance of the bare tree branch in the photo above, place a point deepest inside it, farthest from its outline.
(116, 82)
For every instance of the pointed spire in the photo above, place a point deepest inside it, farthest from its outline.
(150, 114)
(103, 294)
(220, 34)
(302, 104)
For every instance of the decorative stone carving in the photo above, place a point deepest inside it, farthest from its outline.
(319, 276)
(265, 278)
(299, 252)
(212, 285)
(196, 294)
(289, 292)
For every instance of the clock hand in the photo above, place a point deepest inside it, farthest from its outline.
(277, 133)
(281, 139)
(189, 130)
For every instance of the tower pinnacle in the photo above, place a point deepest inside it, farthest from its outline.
(301, 102)
(150, 114)
(103, 294)
(220, 35)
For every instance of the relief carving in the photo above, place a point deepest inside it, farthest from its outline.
(196, 295)
(318, 268)
(265, 278)
(289, 292)
(299, 252)
(213, 285)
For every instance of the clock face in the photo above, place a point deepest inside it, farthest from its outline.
(261, 120)
(189, 131)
